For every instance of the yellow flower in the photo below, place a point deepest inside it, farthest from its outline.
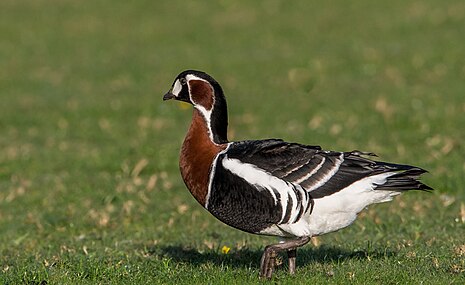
(225, 249)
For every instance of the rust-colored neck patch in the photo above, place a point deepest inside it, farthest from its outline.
(201, 94)
(197, 155)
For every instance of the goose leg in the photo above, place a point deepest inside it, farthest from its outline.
(269, 255)
(291, 256)
(268, 262)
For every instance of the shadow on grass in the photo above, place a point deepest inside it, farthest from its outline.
(250, 258)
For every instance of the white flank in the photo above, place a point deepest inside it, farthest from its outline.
(298, 229)
(212, 175)
(340, 209)
(303, 204)
(262, 180)
(254, 175)
(295, 205)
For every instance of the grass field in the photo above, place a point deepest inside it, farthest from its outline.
(90, 191)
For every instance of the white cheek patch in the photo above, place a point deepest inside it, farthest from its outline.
(177, 88)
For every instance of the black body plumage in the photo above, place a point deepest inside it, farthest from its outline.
(247, 207)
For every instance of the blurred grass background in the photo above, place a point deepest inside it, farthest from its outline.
(89, 186)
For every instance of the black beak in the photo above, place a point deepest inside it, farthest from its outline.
(169, 96)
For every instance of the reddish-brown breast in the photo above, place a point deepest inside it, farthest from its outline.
(197, 155)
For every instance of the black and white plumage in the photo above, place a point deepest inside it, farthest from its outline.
(273, 187)
(287, 189)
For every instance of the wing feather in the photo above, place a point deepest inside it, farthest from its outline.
(321, 172)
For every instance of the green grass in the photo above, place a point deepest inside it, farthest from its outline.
(89, 186)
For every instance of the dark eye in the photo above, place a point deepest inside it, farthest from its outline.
(183, 81)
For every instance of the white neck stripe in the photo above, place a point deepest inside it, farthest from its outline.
(206, 113)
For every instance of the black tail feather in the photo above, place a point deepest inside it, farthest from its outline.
(406, 179)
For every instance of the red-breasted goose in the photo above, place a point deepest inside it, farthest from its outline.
(272, 187)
